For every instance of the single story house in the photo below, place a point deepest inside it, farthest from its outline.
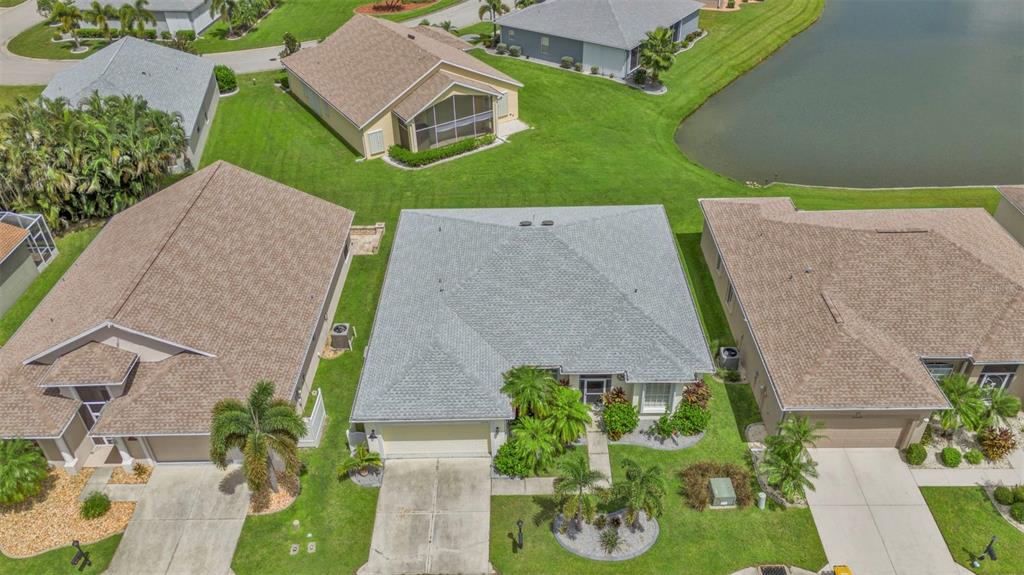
(171, 15)
(26, 248)
(168, 79)
(377, 83)
(602, 33)
(1010, 212)
(851, 317)
(595, 294)
(180, 301)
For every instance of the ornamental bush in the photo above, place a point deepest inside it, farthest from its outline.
(23, 469)
(996, 443)
(567, 62)
(515, 51)
(697, 477)
(690, 418)
(973, 456)
(226, 80)
(509, 461)
(619, 419)
(1003, 495)
(595, 70)
(501, 48)
(916, 454)
(698, 394)
(95, 505)
(187, 35)
(951, 457)
(578, 66)
(1017, 512)
(1018, 494)
(414, 159)
(640, 76)
(614, 395)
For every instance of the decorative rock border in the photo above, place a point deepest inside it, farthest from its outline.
(1003, 510)
(587, 541)
(649, 440)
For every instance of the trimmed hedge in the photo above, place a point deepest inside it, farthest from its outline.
(95, 505)
(619, 419)
(416, 159)
(973, 456)
(226, 80)
(916, 454)
(1004, 495)
(1018, 494)
(1017, 512)
(951, 457)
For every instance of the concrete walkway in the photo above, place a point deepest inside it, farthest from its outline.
(187, 520)
(871, 516)
(597, 450)
(116, 492)
(465, 13)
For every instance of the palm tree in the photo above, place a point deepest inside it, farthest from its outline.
(788, 470)
(142, 17)
(966, 405)
(999, 407)
(22, 470)
(68, 15)
(362, 460)
(126, 18)
(643, 490)
(529, 389)
(520, 4)
(263, 429)
(99, 15)
(799, 433)
(658, 52)
(577, 487)
(495, 8)
(568, 417)
(535, 442)
(224, 8)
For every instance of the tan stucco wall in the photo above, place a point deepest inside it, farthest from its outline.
(167, 448)
(1011, 219)
(51, 451)
(432, 439)
(135, 449)
(340, 124)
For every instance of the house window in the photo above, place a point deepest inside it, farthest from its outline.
(718, 264)
(453, 119)
(997, 377)
(593, 387)
(938, 369)
(657, 397)
(634, 58)
(728, 295)
(511, 33)
(545, 43)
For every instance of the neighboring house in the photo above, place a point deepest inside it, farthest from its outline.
(168, 79)
(602, 33)
(191, 296)
(171, 15)
(26, 248)
(595, 294)
(1010, 212)
(377, 83)
(851, 317)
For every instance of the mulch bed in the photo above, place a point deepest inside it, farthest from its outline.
(52, 519)
(369, 8)
(122, 477)
(586, 542)
(267, 502)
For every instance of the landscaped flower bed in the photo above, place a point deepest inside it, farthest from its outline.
(594, 540)
(139, 475)
(966, 443)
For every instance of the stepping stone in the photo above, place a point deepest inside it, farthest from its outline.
(294, 549)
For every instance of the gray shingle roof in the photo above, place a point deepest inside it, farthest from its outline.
(152, 5)
(168, 79)
(470, 294)
(616, 23)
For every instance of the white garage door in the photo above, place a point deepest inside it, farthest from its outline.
(442, 440)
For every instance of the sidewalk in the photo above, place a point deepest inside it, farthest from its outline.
(597, 450)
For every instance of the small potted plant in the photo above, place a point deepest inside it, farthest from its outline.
(361, 461)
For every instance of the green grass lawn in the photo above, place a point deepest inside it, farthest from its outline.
(69, 247)
(9, 3)
(35, 42)
(967, 520)
(58, 561)
(10, 94)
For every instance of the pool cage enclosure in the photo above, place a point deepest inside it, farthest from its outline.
(40, 240)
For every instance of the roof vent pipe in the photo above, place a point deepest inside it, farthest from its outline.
(525, 224)
(548, 223)
(411, 36)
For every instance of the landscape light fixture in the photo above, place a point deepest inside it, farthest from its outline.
(989, 552)
(519, 524)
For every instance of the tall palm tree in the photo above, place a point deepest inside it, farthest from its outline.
(529, 389)
(69, 16)
(99, 15)
(535, 442)
(799, 433)
(568, 417)
(126, 18)
(966, 405)
(142, 17)
(495, 8)
(643, 489)
(788, 470)
(224, 8)
(262, 428)
(577, 488)
(22, 470)
(999, 407)
(658, 52)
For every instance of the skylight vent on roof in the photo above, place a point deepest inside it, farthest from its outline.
(548, 223)
(411, 36)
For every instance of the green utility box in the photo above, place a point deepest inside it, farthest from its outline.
(722, 493)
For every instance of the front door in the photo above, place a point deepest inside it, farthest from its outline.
(593, 387)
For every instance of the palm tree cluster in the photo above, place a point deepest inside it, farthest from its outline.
(974, 408)
(23, 469)
(787, 464)
(72, 163)
(658, 52)
(133, 17)
(265, 430)
(491, 10)
(549, 416)
(242, 14)
(578, 490)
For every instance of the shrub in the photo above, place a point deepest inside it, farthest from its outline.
(685, 44)
(404, 156)
(578, 66)
(663, 427)
(996, 443)
(188, 35)
(690, 418)
(973, 456)
(57, 36)
(614, 395)
(140, 469)
(951, 457)
(1003, 495)
(732, 4)
(927, 436)
(291, 44)
(283, 82)
(567, 62)
(730, 375)
(615, 522)
(595, 70)
(916, 454)
(165, 35)
(1018, 494)
(640, 76)
(501, 48)
(601, 521)
(95, 505)
(612, 542)
(514, 51)
(23, 469)
(509, 461)
(226, 80)
(698, 394)
(619, 419)
(696, 483)
(1017, 512)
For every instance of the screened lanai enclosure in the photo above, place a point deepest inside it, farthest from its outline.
(455, 118)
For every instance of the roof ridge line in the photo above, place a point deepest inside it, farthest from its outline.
(120, 44)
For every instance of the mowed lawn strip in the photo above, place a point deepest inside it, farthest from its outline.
(58, 561)
(968, 520)
(10, 94)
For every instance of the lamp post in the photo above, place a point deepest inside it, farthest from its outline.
(990, 552)
(519, 524)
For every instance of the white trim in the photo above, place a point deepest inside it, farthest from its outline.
(109, 324)
(437, 99)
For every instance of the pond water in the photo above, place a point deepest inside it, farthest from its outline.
(875, 94)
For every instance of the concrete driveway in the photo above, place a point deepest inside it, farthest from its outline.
(871, 515)
(433, 516)
(186, 522)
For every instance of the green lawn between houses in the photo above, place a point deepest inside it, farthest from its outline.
(9, 3)
(58, 561)
(10, 94)
(967, 520)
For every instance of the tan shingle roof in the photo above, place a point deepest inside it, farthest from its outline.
(433, 87)
(368, 63)
(1014, 195)
(10, 238)
(224, 261)
(844, 304)
(92, 364)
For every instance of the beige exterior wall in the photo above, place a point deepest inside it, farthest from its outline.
(449, 439)
(179, 448)
(348, 131)
(1011, 219)
(51, 451)
(135, 448)
(870, 429)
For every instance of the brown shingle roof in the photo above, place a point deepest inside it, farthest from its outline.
(433, 87)
(1014, 195)
(10, 238)
(92, 364)
(368, 63)
(224, 261)
(844, 304)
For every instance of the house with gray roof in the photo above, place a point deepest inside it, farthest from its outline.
(596, 294)
(170, 15)
(168, 79)
(599, 33)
